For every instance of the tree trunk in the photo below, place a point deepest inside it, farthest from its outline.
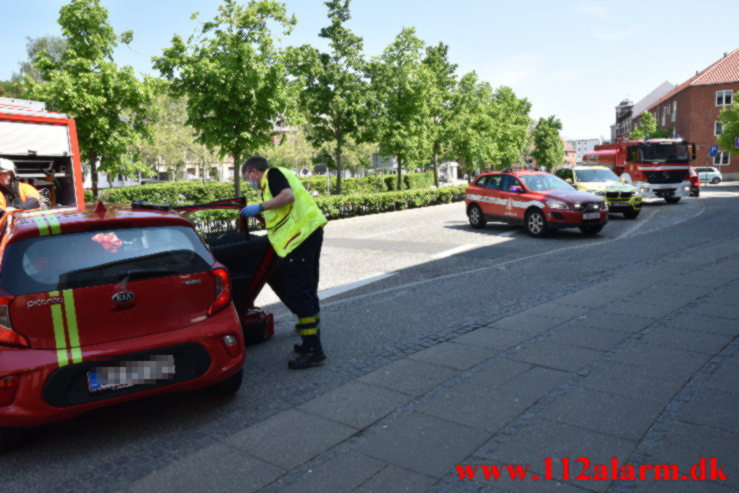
(338, 164)
(237, 175)
(94, 175)
(400, 170)
(436, 167)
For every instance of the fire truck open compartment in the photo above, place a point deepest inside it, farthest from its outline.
(52, 176)
(42, 145)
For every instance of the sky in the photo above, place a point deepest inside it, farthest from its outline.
(573, 59)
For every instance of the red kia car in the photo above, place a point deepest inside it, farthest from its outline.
(101, 306)
(540, 201)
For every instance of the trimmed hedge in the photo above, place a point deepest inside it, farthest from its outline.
(339, 206)
(333, 207)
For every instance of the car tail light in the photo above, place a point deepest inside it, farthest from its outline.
(223, 291)
(8, 387)
(9, 337)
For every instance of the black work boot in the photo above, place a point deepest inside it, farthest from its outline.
(298, 348)
(306, 359)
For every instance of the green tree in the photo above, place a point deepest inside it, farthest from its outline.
(401, 89)
(648, 128)
(173, 144)
(293, 150)
(233, 76)
(53, 46)
(10, 89)
(108, 103)
(549, 151)
(473, 124)
(511, 129)
(729, 118)
(444, 82)
(334, 89)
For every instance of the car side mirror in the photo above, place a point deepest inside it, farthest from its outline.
(692, 150)
(515, 189)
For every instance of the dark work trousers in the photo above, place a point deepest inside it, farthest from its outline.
(295, 282)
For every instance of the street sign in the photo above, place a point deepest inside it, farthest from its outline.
(713, 151)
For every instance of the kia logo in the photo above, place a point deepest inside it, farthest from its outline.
(123, 297)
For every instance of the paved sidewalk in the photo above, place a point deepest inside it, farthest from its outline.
(643, 366)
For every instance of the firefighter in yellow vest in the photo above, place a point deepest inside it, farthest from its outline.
(16, 195)
(295, 229)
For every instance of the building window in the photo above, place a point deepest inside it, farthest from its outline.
(664, 115)
(723, 98)
(717, 129)
(674, 111)
(721, 159)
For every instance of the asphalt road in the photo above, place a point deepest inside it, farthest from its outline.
(414, 275)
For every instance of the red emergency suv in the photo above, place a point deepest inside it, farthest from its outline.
(540, 201)
(100, 306)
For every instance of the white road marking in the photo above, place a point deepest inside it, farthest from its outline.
(327, 293)
(383, 233)
(452, 251)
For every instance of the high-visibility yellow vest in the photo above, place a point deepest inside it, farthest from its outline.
(289, 225)
(25, 191)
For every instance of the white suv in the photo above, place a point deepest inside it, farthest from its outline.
(710, 175)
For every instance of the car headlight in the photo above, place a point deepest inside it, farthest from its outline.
(577, 205)
(686, 188)
(557, 204)
(643, 189)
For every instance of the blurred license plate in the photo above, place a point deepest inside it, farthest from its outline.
(129, 373)
(620, 204)
(591, 215)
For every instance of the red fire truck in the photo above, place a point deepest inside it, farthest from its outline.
(658, 168)
(43, 146)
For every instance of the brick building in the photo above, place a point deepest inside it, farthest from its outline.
(693, 108)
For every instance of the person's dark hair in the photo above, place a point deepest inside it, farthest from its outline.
(12, 191)
(255, 162)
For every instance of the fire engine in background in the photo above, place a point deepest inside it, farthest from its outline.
(43, 146)
(658, 168)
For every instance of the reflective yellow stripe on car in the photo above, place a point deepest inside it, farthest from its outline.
(70, 332)
(47, 225)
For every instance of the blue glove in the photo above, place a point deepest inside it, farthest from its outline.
(251, 210)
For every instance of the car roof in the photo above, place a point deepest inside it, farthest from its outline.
(516, 172)
(90, 218)
(590, 167)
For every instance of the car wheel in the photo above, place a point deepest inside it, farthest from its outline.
(672, 200)
(591, 230)
(10, 439)
(229, 386)
(715, 180)
(631, 214)
(536, 223)
(476, 217)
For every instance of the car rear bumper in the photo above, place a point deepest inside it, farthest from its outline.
(48, 393)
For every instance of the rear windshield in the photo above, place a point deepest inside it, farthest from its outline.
(76, 260)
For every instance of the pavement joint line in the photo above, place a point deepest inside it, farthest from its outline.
(653, 437)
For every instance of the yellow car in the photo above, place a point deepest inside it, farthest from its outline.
(621, 197)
